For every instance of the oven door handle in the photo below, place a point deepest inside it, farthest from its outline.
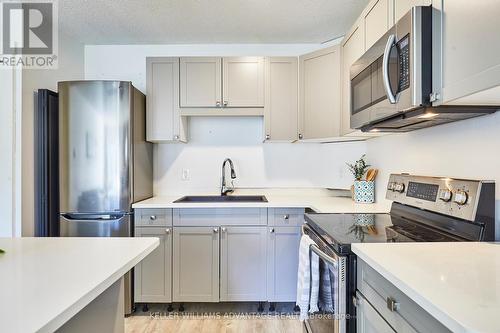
(315, 248)
(385, 68)
(323, 255)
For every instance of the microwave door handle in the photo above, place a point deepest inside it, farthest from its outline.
(385, 68)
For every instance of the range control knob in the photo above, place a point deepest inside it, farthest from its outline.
(445, 195)
(399, 187)
(461, 197)
(390, 186)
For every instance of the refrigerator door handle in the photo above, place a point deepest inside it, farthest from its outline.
(95, 225)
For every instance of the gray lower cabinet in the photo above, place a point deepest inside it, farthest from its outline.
(243, 263)
(367, 318)
(282, 263)
(399, 311)
(196, 264)
(153, 275)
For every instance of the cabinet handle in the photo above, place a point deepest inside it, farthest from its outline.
(392, 305)
(268, 136)
(271, 230)
(152, 217)
(167, 231)
(223, 229)
(286, 217)
(300, 136)
(225, 103)
(216, 230)
(176, 137)
(356, 301)
(217, 104)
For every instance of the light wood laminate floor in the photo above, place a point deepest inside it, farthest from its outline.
(214, 318)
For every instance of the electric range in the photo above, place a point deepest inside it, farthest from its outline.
(424, 209)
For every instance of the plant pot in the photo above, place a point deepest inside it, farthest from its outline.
(364, 191)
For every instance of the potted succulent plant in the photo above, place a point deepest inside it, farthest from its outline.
(363, 190)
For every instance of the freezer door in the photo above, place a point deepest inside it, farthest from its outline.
(95, 225)
(94, 146)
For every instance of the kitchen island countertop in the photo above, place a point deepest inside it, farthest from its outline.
(457, 283)
(46, 281)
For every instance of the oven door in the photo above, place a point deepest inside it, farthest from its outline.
(331, 317)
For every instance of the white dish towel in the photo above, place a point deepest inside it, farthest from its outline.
(307, 278)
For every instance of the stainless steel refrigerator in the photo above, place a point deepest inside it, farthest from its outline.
(105, 163)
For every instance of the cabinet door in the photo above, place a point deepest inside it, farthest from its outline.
(196, 264)
(163, 117)
(243, 263)
(352, 50)
(401, 7)
(281, 115)
(368, 320)
(377, 21)
(243, 82)
(282, 263)
(319, 108)
(200, 81)
(153, 275)
(470, 55)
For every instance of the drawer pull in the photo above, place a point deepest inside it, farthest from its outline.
(271, 230)
(152, 217)
(392, 305)
(286, 216)
(215, 230)
(167, 231)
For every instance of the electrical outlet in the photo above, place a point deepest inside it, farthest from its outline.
(185, 174)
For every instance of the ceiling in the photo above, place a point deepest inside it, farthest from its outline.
(206, 21)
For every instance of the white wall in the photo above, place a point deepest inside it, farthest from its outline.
(8, 152)
(213, 139)
(466, 149)
(71, 62)
(256, 164)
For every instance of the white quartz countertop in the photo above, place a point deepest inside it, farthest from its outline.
(45, 281)
(457, 283)
(320, 204)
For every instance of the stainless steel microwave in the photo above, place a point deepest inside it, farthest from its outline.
(391, 84)
(395, 74)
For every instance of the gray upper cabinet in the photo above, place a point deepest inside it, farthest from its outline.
(196, 264)
(281, 105)
(163, 120)
(200, 81)
(377, 20)
(243, 263)
(401, 7)
(282, 263)
(153, 275)
(470, 52)
(319, 94)
(243, 82)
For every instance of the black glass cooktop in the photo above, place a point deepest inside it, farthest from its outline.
(341, 230)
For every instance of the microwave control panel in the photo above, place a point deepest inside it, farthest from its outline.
(404, 62)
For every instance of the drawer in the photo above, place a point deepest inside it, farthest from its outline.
(161, 217)
(199, 217)
(408, 316)
(286, 217)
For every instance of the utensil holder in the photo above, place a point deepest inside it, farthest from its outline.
(364, 191)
